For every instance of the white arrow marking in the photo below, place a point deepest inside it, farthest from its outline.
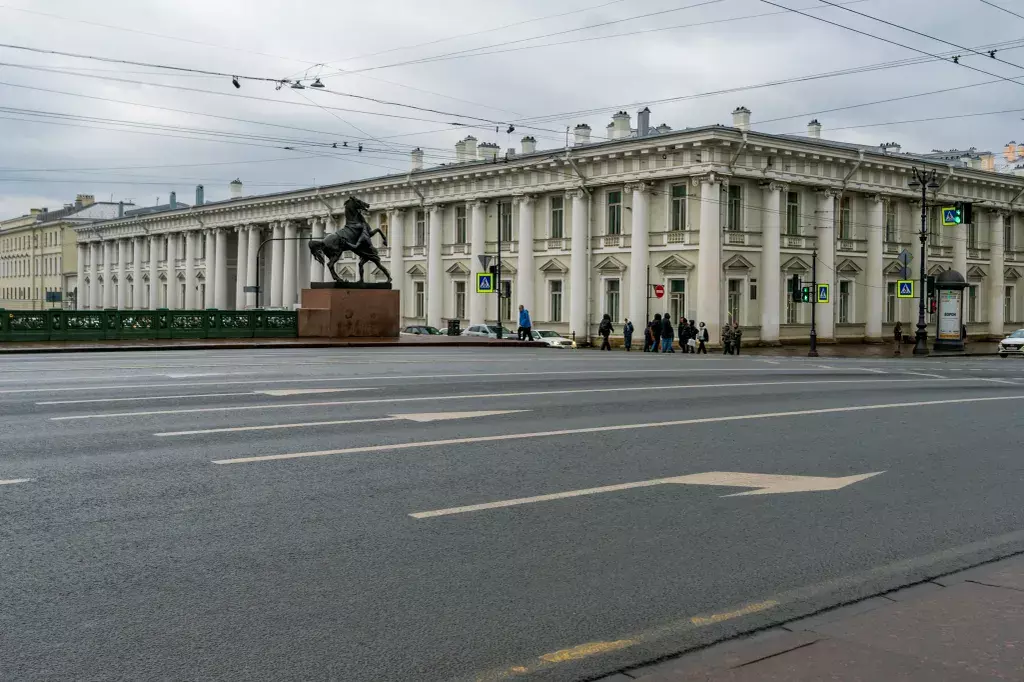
(766, 484)
(15, 480)
(422, 417)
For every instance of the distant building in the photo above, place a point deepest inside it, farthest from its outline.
(966, 158)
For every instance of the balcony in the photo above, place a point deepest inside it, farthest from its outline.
(415, 250)
(852, 245)
(740, 238)
(978, 254)
(798, 241)
(1014, 256)
(506, 247)
(939, 251)
(553, 244)
(454, 249)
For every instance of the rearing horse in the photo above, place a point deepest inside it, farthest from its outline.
(354, 236)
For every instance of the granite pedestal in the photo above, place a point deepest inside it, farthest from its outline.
(347, 312)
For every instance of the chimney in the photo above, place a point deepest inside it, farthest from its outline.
(34, 211)
(529, 144)
(643, 122)
(199, 195)
(1010, 154)
(173, 201)
(78, 201)
(814, 128)
(511, 153)
(663, 128)
(460, 151)
(488, 151)
(741, 118)
(236, 188)
(620, 126)
(416, 159)
(582, 134)
(83, 200)
(470, 148)
(120, 207)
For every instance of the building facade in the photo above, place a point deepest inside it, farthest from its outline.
(722, 216)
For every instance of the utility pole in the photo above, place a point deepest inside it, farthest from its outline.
(497, 273)
(926, 181)
(813, 353)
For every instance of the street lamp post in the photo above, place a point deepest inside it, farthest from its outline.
(925, 180)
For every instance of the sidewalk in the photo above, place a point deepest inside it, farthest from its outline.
(869, 350)
(963, 627)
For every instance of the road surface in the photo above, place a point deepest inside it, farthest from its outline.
(464, 514)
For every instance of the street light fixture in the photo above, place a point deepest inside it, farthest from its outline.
(924, 181)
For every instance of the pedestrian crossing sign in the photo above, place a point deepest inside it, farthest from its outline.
(484, 283)
(823, 293)
(905, 288)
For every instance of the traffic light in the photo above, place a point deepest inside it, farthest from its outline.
(957, 217)
(930, 285)
(933, 306)
(967, 212)
(805, 295)
(795, 289)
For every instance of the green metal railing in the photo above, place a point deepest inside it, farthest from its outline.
(92, 325)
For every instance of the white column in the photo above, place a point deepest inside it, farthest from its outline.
(435, 277)
(771, 245)
(640, 254)
(277, 266)
(241, 263)
(709, 258)
(477, 248)
(396, 240)
(330, 226)
(95, 291)
(289, 268)
(826, 232)
(108, 275)
(959, 236)
(526, 275)
(190, 302)
(996, 281)
(122, 274)
(209, 299)
(154, 271)
(579, 273)
(875, 280)
(302, 265)
(252, 262)
(82, 296)
(316, 271)
(172, 271)
(220, 270)
(139, 299)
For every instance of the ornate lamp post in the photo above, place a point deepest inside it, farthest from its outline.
(923, 180)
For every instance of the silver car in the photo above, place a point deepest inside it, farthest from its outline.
(1012, 344)
(488, 331)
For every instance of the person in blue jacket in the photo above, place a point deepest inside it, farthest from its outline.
(525, 327)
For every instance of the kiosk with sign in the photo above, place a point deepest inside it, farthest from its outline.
(949, 291)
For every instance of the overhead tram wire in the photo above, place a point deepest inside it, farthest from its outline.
(992, 4)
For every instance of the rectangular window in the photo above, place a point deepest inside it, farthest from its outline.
(460, 300)
(505, 221)
(419, 299)
(845, 222)
(972, 236)
(890, 302)
(793, 213)
(1008, 235)
(845, 301)
(677, 299)
(734, 216)
(420, 235)
(678, 207)
(1008, 312)
(890, 220)
(614, 214)
(735, 299)
(972, 303)
(555, 300)
(460, 227)
(557, 217)
(505, 302)
(382, 223)
(611, 298)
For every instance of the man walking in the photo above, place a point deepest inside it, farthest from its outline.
(605, 329)
(737, 336)
(727, 339)
(627, 335)
(656, 332)
(666, 334)
(525, 326)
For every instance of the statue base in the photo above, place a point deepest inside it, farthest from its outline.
(339, 312)
(351, 285)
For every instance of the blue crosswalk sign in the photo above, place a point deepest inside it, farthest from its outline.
(823, 293)
(484, 283)
(949, 216)
(905, 288)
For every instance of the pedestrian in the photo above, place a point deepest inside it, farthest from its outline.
(627, 335)
(667, 335)
(691, 336)
(727, 339)
(702, 338)
(682, 335)
(737, 337)
(525, 327)
(656, 332)
(897, 335)
(605, 329)
(648, 339)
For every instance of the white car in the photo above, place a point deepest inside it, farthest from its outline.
(488, 331)
(1012, 344)
(553, 339)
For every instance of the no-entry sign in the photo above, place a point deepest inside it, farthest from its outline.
(659, 290)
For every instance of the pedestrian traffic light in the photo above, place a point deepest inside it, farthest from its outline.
(805, 295)
(967, 212)
(933, 305)
(795, 289)
(930, 285)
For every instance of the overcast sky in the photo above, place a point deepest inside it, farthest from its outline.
(46, 164)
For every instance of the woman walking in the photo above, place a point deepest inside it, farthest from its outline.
(702, 338)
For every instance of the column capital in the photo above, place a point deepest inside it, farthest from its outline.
(998, 212)
(709, 179)
(523, 199)
(641, 187)
(825, 192)
(479, 203)
(874, 198)
(398, 210)
(774, 186)
(575, 193)
(434, 208)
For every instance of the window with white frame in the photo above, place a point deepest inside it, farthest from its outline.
(735, 299)
(845, 301)
(555, 300)
(792, 213)
(505, 221)
(1008, 311)
(677, 298)
(734, 217)
(891, 302)
(612, 294)
(890, 220)
(382, 223)
(419, 297)
(614, 213)
(972, 303)
(678, 208)
(972, 236)
(557, 205)
(460, 226)
(1008, 244)
(845, 219)
(460, 299)
(420, 233)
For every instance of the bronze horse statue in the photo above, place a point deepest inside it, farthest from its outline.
(354, 236)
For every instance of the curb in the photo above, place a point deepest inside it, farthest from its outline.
(266, 346)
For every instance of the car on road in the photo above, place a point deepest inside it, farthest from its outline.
(553, 339)
(489, 331)
(1012, 344)
(422, 329)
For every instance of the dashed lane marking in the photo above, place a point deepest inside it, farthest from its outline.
(12, 481)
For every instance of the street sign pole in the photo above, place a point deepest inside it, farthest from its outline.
(927, 181)
(497, 276)
(813, 353)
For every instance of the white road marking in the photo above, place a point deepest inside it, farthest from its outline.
(824, 367)
(303, 391)
(195, 375)
(12, 481)
(765, 484)
(876, 371)
(201, 395)
(771, 362)
(422, 417)
(922, 374)
(602, 429)
(477, 396)
(1001, 381)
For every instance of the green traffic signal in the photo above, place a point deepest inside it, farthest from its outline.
(805, 295)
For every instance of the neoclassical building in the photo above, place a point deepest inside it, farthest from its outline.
(721, 216)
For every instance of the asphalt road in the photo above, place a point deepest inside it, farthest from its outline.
(160, 536)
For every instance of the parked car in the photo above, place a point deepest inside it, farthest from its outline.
(422, 329)
(553, 339)
(1012, 344)
(489, 331)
